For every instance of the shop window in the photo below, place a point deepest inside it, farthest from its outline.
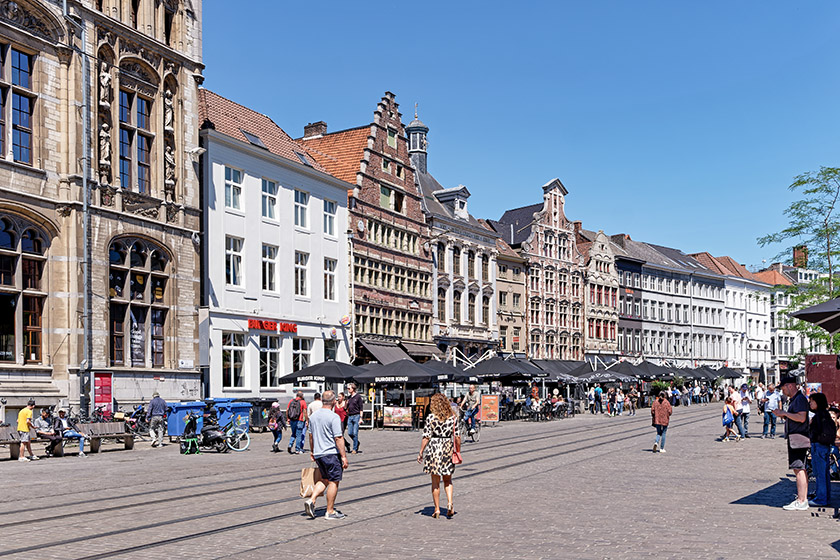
(233, 358)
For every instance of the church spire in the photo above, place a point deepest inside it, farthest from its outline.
(417, 142)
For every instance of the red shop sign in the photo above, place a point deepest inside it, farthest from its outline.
(271, 326)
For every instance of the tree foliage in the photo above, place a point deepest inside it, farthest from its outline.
(813, 222)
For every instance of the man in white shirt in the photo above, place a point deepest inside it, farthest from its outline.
(746, 399)
(772, 401)
(327, 450)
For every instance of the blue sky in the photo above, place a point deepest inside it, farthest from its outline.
(679, 123)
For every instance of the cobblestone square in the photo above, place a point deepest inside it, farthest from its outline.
(587, 487)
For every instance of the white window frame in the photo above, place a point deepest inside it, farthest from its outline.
(301, 274)
(301, 348)
(269, 267)
(330, 266)
(233, 347)
(233, 189)
(233, 260)
(269, 199)
(271, 347)
(330, 210)
(301, 209)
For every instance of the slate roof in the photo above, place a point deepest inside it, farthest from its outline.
(428, 186)
(521, 219)
(231, 118)
(340, 152)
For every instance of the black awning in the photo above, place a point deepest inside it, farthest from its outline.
(385, 352)
(422, 350)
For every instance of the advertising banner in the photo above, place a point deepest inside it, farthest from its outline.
(397, 417)
(489, 409)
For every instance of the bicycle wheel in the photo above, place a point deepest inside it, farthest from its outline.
(476, 435)
(238, 439)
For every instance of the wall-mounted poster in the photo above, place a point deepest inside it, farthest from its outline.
(489, 409)
(397, 417)
(813, 388)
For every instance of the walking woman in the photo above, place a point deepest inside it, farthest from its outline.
(276, 425)
(660, 410)
(728, 419)
(822, 430)
(440, 440)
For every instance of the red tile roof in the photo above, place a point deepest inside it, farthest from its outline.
(726, 266)
(340, 152)
(231, 118)
(773, 277)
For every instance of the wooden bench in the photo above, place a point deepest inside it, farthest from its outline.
(97, 432)
(107, 430)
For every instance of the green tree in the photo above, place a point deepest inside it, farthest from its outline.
(814, 222)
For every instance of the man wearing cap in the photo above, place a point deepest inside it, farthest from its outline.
(796, 432)
(25, 424)
(44, 429)
(155, 413)
(69, 430)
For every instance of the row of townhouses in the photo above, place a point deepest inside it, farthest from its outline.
(155, 235)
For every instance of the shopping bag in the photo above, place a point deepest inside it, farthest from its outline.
(309, 477)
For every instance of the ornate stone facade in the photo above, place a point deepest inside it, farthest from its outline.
(601, 288)
(545, 238)
(143, 288)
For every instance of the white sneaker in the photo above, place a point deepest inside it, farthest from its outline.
(23, 459)
(655, 447)
(81, 454)
(34, 458)
(662, 450)
(796, 505)
(310, 508)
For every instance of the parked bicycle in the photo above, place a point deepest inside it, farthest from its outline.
(233, 436)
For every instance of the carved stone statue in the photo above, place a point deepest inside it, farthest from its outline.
(105, 85)
(169, 174)
(168, 110)
(105, 144)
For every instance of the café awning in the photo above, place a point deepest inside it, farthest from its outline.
(420, 350)
(385, 352)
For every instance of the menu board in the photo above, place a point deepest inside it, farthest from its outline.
(489, 409)
(397, 417)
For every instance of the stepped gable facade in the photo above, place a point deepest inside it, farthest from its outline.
(391, 255)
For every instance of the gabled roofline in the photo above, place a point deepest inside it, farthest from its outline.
(555, 183)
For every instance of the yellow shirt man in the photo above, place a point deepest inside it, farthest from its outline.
(24, 419)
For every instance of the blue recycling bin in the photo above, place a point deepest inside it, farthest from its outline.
(176, 417)
(232, 409)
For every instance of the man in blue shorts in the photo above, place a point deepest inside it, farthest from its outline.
(327, 450)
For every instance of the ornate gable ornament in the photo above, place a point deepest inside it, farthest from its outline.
(30, 18)
(443, 282)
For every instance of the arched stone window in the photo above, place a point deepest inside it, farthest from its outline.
(471, 308)
(456, 307)
(23, 248)
(139, 273)
(441, 302)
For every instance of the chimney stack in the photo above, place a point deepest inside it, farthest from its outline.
(800, 256)
(578, 225)
(313, 130)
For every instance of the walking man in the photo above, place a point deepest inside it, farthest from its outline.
(155, 414)
(599, 397)
(739, 420)
(660, 410)
(746, 399)
(772, 401)
(24, 424)
(470, 407)
(296, 414)
(327, 450)
(354, 415)
(798, 440)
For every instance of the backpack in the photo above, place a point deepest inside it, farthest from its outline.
(727, 417)
(828, 429)
(294, 410)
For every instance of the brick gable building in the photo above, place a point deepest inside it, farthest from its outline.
(391, 259)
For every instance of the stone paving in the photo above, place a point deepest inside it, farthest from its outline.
(587, 487)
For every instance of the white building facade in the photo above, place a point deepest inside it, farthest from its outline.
(275, 274)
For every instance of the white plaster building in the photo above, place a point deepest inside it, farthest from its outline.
(275, 272)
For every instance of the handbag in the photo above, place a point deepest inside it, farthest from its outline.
(309, 477)
(727, 418)
(799, 441)
(456, 451)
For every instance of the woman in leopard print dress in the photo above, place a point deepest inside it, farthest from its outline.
(439, 441)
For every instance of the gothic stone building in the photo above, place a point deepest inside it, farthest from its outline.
(101, 102)
(464, 251)
(545, 238)
(391, 255)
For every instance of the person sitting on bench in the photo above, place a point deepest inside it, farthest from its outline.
(69, 430)
(44, 430)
